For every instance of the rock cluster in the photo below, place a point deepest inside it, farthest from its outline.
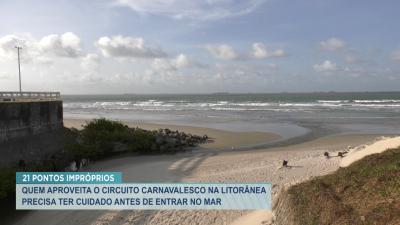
(167, 140)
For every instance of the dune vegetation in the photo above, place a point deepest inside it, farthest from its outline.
(366, 192)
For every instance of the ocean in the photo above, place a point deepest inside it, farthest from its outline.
(288, 114)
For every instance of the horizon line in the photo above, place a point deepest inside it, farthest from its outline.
(236, 93)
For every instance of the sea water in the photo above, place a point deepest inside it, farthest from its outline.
(287, 114)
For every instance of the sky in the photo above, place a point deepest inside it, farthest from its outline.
(200, 46)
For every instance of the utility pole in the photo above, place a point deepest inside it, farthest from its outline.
(19, 68)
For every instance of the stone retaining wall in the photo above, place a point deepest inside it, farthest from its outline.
(23, 119)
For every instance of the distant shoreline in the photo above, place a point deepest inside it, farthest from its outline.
(236, 93)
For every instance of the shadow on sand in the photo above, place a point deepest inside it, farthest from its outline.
(157, 168)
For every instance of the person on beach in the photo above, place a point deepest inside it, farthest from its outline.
(326, 154)
(285, 163)
(341, 154)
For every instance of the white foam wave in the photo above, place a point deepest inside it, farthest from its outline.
(158, 105)
(378, 101)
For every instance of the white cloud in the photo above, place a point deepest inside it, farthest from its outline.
(326, 66)
(278, 53)
(127, 47)
(44, 60)
(260, 51)
(30, 48)
(245, 73)
(171, 71)
(163, 65)
(90, 62)
(121, 77)
(332, 44)
(193, 9)
(181, 61)
(223, 51)
(7, 46)
(66, 45)
(5, 76)
(395, 56)
(43, 51)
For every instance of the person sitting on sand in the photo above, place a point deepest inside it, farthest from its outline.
(285, 163)
(349, 148)
(326, 154)
(341, 154)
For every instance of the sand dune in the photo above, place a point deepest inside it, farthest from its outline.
(379, 146)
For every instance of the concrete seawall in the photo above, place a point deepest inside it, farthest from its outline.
(30, 131)
(23, 119)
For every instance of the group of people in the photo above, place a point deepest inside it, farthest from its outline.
(340, 154)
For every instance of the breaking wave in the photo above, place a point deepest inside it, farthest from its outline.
(179, 105)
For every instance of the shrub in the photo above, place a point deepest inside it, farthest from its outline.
(99, 138)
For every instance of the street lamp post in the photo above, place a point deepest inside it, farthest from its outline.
(19, 68)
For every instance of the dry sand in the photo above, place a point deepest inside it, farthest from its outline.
(379, 146)
(305, 161)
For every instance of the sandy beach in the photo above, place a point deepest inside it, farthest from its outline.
(210, 110)
(306, 160)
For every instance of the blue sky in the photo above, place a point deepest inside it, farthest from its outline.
(181, 46)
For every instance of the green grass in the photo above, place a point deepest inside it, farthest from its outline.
(366, 192)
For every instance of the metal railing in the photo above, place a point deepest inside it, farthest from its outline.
(11, 96)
